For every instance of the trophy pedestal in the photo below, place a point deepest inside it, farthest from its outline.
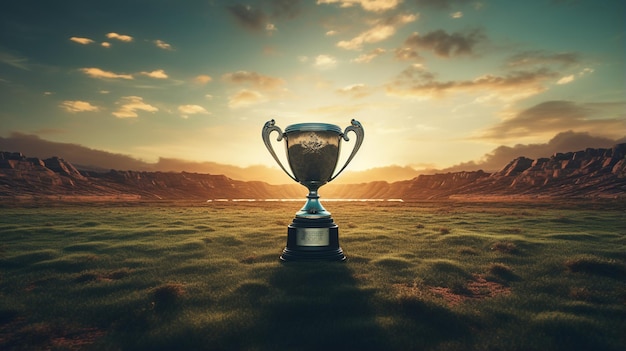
(313, 240)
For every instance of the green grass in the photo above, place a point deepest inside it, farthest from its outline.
(419, 276)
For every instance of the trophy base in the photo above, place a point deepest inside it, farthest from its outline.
(312, 240)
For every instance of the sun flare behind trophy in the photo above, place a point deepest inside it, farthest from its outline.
(312, 153)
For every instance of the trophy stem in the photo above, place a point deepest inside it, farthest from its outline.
(313, 235)
(313, 208)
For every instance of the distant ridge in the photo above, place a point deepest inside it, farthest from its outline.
(590, 173)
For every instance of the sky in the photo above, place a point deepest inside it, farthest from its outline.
(436, 84)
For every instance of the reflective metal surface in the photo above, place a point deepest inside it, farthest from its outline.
(313, 156)
(312, 236)
(312, 153)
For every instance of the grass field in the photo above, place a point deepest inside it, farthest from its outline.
(419, 276)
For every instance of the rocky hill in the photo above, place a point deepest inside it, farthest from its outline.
(591, 173)
(22, 177)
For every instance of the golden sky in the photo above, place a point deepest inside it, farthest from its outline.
(436, 84)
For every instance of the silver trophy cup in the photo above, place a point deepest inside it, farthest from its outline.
(313, 153)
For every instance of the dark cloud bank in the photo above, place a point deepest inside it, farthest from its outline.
(562, 142)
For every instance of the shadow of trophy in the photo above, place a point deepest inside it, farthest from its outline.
(313, 153)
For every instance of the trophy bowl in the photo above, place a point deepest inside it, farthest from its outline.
(312, 151)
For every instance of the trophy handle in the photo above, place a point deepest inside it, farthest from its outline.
(269, 127)
(357, 128)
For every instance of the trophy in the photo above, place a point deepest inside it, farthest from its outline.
(312, 153)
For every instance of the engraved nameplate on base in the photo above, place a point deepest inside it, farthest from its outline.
(312, 237)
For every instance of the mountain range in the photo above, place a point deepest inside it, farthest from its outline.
(589, 173)
(90, 159)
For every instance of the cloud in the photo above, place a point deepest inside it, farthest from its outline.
(406, 54)
(542, 59)
(98, 73)
(120, 37)
(441, 4)
(254, 79)
(570, 78)
(565, 80)
(446, 45)
(187, 110)
(511, 86)
(603, 119)
(284, 8)
(245, 97)
(202, 79)
(270, 28)
(355, 91)
(531, 58)
(257, 18)
(457, 14)
(83, 41)
(367, 5)
(78, 106)
(373, 35)
(192, 109)
(325, 62)
(105, 44)
(129, 105)
(417, 82)
(157, 74)
(365, 58)
(248, 17)
(162, 45)
(562, 142)
(14, 61)
(585, 70)
(262, 88)
(379, 32)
